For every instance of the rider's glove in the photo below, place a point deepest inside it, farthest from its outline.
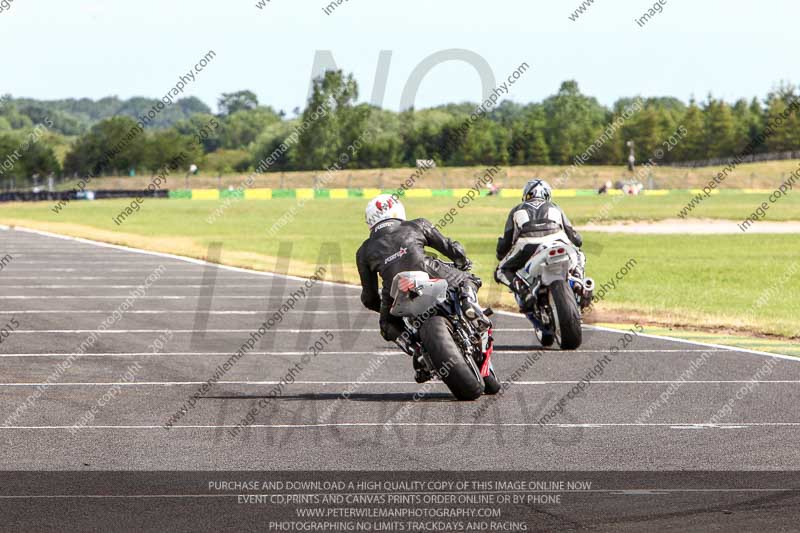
(390, 331)
(463, 264)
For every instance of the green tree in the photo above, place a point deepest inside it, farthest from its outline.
(720, 129)
(692, 146)
(572, 120)
(40, 159)
(741, 123)
(11, 113)
(786, 125)
(758, 116)
(422, 134)
(112, 146)
(332, 121)
(528, 143)
(240, 129)
(645, 130)
(22, 163)
(485, 143)
(383, 146)
(166, 146)
(228, 161)
(538, 151)
(230, 103)
(201, 126)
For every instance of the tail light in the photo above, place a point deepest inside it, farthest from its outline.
(407, 284)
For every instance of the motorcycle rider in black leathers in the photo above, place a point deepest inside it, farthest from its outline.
(529, 224)
(396, 245)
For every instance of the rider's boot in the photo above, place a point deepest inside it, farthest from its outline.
(472, 310)
(523, 290)
(421, 372)
(579, 270)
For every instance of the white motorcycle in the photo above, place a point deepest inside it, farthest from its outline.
(558, 294)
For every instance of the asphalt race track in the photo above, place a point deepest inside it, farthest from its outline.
(60, 290)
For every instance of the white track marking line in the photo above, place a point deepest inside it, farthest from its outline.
(673, 339)
(153, 297)
(672, 425)
(709, 345)
(334, 382)
(122, 278)
(125, 331)
(121, 263)
(175, 257)
(261, 312)
(193, 354)
(187, 286)
(274, 330)
(356, 287)
(709, 426)
(92, 286)
(78, 264)
(77, 269)
(66, 297)
(499, 353)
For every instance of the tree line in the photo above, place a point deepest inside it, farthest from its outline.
(552, 132)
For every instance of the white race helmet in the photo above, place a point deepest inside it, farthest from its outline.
(383, 207)
(537, 190)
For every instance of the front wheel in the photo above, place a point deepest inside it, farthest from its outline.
(491, 383)
(566, 316)
(448, 361)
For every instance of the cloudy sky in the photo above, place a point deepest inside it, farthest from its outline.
(82, 48)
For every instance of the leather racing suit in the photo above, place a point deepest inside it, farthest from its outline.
(396, 246)
(530, 224)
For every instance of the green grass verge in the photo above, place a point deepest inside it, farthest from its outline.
(724, 206)
(762, 344)
(727, 281)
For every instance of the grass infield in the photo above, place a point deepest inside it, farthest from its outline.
(739, 283)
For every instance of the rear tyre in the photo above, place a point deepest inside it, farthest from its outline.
(491, 385)
(566, 316)
(449, 363)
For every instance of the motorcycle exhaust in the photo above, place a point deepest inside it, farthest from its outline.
(535, 289)
(588, 292)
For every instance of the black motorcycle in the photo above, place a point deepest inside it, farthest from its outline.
(440, 338)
